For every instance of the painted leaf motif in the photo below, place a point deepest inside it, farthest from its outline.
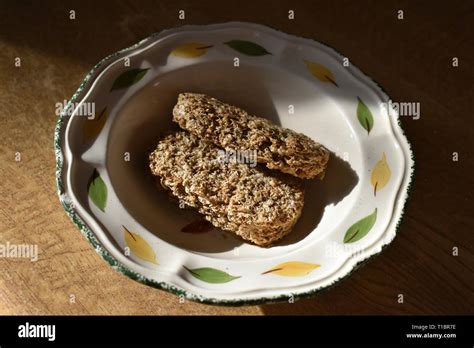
(97, 190)
(93, 126)
(365, 116)
(211, 275)
(128, 78)
(293, 269)
(190, 50)
(139, 246)
(246, 47)
(380, 174)
(320, 72)
(358, 230)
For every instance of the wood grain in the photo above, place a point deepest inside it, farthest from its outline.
(411, 58)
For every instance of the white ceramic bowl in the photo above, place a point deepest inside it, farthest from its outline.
(105, 185)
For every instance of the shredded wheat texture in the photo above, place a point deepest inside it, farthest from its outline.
(232, 128)
(259, 205)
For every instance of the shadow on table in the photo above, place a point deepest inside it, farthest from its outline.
(98, 28)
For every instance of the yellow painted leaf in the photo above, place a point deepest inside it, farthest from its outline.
(321, 72)
(190, 50)
(293, 269)
(380, 174)
(92, 127)
(139, 246)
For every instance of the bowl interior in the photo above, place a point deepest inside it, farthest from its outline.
(262, 90)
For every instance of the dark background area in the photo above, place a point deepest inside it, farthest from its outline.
(410, 58)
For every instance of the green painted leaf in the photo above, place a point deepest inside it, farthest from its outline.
(128, 78)
(365, 116)
(211, 275)
(97, 190)
(360, 228)
(247, 47)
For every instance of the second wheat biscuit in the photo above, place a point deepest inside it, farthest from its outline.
(234, 129)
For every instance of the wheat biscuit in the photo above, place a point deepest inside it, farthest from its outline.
(259, 205)
(234, 129)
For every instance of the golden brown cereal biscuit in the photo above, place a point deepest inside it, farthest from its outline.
(232, 128)
(259, 205)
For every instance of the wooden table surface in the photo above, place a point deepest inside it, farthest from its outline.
(410, 58)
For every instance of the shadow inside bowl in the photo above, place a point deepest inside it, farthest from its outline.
(338, 182)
